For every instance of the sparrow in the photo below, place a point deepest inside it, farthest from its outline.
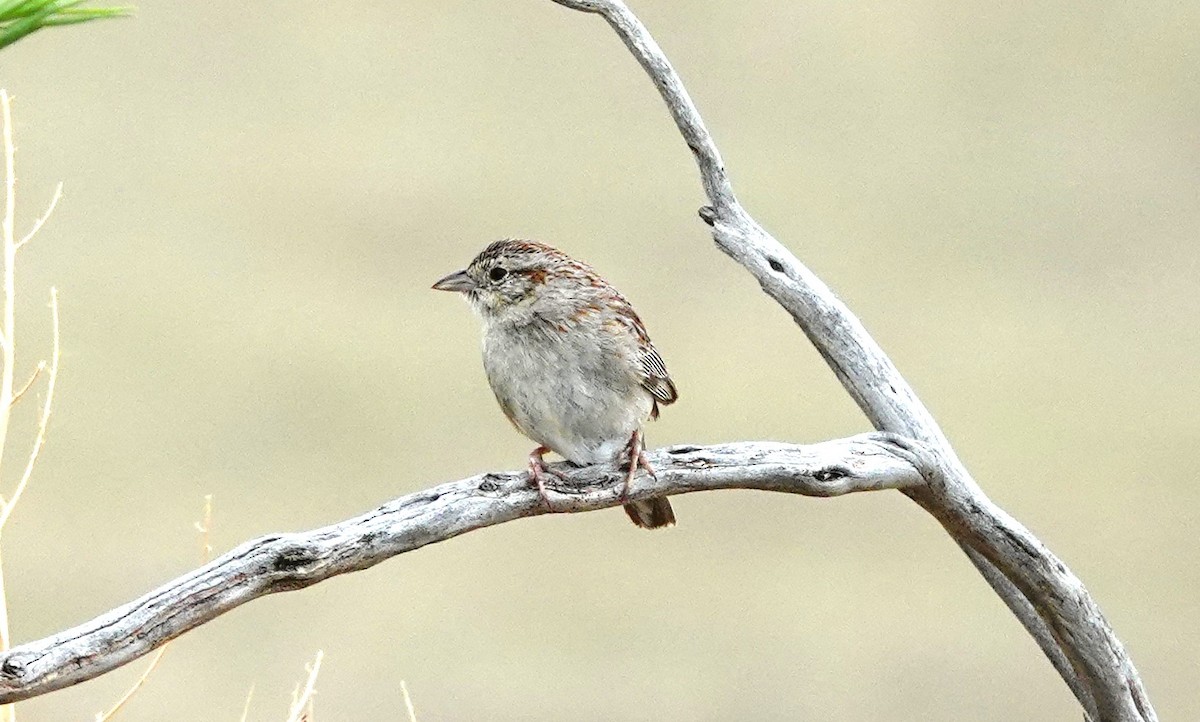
(569, 361)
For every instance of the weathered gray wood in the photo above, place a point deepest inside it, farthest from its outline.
(284, 562)
(1048, 599)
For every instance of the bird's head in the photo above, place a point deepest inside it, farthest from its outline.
(512, 280)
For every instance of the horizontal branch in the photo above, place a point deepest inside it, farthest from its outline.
(285, 562)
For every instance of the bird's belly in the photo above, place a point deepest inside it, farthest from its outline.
(576, 401)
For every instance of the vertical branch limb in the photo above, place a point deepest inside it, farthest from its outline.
(1045, 596)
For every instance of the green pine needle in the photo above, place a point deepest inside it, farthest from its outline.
(19, 18)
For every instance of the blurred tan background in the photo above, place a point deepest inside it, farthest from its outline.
(258, 198)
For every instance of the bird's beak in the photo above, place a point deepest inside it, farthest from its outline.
(457, 281)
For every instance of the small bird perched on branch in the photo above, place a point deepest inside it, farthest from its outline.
(569, 361)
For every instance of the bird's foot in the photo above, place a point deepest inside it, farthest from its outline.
(637, 458)
(538, 471)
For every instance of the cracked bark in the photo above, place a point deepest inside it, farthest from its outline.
(286, 562)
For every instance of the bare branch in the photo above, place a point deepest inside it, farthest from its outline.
(286, 562)
(1048, 599)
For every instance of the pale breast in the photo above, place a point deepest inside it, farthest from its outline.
(565, 391)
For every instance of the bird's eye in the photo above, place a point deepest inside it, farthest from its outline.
(497, 273)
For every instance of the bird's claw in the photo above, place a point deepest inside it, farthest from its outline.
(637, 458)
(538, 470)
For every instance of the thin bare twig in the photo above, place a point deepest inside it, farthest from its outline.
(43, 419)
(41, 366)
(8, 352)
(37, 226)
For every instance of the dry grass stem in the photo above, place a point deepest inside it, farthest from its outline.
(205, 529)
(246, 707)
(37, 226)
(408, 705)
(8, 713)
(105, 716)
(204, 526)
(7, 323)
(43, 420)
(8, 350)
(32, 379)
(302, 702)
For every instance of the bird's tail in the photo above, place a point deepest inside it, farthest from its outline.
(652, 513)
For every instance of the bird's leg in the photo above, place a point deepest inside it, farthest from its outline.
(538, 470)
(637, 457)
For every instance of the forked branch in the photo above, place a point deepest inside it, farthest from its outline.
(1049, 600)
